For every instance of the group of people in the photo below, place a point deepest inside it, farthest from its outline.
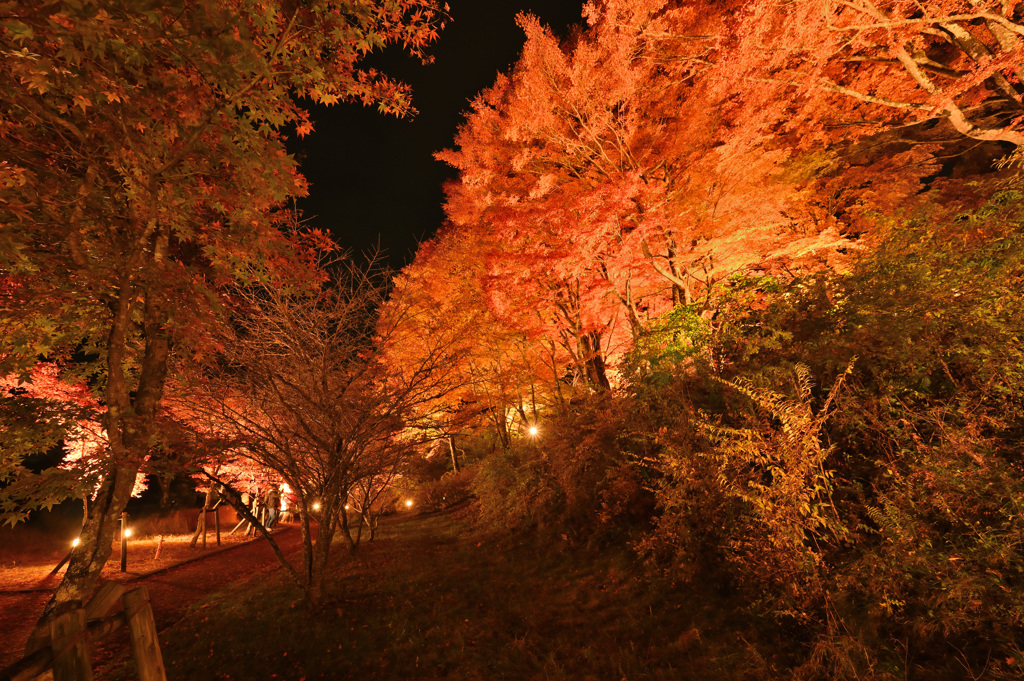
(268, 503)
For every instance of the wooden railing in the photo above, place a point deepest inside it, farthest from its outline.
(67, 651)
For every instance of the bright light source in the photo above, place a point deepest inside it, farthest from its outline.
(316, 506)
(533, 430)
(75, 541)
(346, 507)
(128, 532)
(286, 489)
(408, 503)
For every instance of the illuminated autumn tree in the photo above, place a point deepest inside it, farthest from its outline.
(612, 175)
(880, 63)
(647, 159)
(502, 377)
(143, 161)
(43, 410)
(303, 389)
(375, 493)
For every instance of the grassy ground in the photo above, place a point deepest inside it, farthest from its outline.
(430, 599)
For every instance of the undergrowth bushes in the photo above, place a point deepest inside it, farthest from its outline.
(574, 478)
(887, 527)
(449, 489)
(844, 452)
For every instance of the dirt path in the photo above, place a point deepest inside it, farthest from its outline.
(171, 591)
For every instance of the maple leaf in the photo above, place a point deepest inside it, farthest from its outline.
(152, 122)
(17, 30)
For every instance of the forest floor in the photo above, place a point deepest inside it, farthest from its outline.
(176, 579)
(432, 598)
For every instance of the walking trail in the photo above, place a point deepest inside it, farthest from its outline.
(171, 590)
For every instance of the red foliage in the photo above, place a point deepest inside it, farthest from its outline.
(665, 148)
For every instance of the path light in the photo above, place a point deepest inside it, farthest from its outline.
(128, 532)
(408, 503)
(533, 431)
(316, 506)
(125, 532)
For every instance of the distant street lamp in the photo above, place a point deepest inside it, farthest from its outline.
(533, 431)
(408, 503)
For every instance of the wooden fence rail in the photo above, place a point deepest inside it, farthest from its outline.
(67, 652)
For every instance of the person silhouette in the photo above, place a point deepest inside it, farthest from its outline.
(273, 502)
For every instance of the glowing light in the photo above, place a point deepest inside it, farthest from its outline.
(408, 503)
(128, 532)
(286, 489)
(316, 506)
(533, 430)
(75, 541)
(346, 507)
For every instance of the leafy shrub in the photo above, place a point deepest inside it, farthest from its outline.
(446, 491)
(514, 489)
(577, 478)
(890, 532)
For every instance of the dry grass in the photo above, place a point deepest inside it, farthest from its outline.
(432, 599)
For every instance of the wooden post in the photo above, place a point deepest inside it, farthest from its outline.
(142, 631)
(203, 521)
(159, 545)
(216, 523)
(60, 565)
(70, 643)
(124, 542)
(103, 600)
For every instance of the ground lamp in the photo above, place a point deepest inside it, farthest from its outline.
(125, 533)
(74, 543)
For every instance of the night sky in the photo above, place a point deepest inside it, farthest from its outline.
(373, 177)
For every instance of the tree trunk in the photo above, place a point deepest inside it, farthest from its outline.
(501, 426)
(374, 520)
(594, 361)
(166, 480)
(353, 542)
(234, 499)
(130, 421)
(307, 547)
(94, 548)
(454, 453)
(201, 523)
(315, 591)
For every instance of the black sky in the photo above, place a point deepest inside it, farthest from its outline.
(373, 177)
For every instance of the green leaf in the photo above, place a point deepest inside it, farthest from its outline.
(18, 30)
